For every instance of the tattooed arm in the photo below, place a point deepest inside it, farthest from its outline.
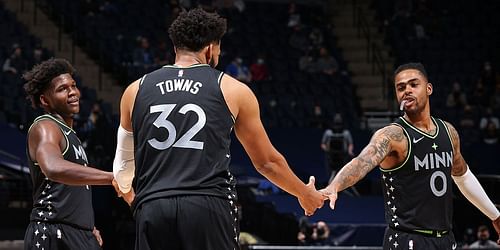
(381, 145)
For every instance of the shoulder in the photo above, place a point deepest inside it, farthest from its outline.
(392, 131)
(448, 125)
(45, 129)
(233, 88)
(328, 132)
(132, 89)
(452, 131)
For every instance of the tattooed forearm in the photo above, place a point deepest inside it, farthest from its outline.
(369, 158)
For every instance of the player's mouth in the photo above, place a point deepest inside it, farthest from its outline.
(74, 102)
(409, 101)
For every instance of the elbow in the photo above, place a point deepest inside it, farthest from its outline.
(271, 165)
(53, 174)
(52, 170)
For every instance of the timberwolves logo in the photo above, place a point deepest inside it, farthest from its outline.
(80, 153)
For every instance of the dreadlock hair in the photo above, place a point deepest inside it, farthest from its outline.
(39, 78)
(192, 30)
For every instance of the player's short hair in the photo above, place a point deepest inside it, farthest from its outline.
(192, 30)
(39, 78)
(412, 65)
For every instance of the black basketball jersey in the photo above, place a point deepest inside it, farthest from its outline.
(54, 202)
(418, 193)
(182, 128)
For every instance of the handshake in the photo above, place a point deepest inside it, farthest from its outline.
(127, 197)
(312, 199)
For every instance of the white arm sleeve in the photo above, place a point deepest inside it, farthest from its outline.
(124, 164)
(474, 192)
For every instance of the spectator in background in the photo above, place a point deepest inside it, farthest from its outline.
(321, 234)
(316, 234)
(307, 62)
(293, 15)
(483, 239)
(489, 118)
(304, 236)
(162, 54)
(480, 95)
(318, 117)
(468, 126)
(316, 37)
(488, 77)
(338, 146)
(37, 57)
(489, 126)
(259, 70)
(143, 56)
(490, 134)
(326, 63)
(456, 98)
(15, 64)
(299, 38)
(239, 70)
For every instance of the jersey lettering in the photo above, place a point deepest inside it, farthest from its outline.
(163, 122)
(80, 153)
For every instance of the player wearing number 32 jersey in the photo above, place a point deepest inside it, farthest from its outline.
(173, 145)
(418, 156)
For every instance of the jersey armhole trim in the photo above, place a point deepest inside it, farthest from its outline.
(407, 155)
(51, 118)
(142, 79)
(448, 133)
(219, 82)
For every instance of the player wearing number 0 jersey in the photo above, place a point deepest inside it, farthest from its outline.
(173, 145)
(418, 156)
(419, 190)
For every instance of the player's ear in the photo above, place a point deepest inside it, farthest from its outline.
(430, 88)
(43, 100)
(209, 52)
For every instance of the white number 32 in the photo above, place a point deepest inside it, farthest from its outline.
(185, 140)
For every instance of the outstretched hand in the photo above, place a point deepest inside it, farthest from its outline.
(496, 225)
(312, 199)
(331, 195)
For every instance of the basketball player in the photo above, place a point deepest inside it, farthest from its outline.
(179, 120)
(62, 216)
(418, 155)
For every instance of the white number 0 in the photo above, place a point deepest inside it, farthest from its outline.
(185, 140)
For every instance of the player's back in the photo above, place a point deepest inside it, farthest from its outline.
(182, 128)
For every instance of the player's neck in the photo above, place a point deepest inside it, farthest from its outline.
(66, 120)
(421, 120)
(187, 58)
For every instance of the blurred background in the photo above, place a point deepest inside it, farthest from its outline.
(314, 66)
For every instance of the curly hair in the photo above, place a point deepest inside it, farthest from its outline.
(195, 29)
(39, 78)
